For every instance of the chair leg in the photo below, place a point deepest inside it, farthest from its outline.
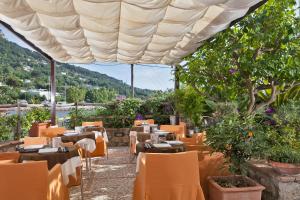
(90, 161)
(106, 153)
(86, 161)
(133, 157)
(81, 185)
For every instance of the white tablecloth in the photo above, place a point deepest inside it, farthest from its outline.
(87, 144)
(102, 134)
(69, 168)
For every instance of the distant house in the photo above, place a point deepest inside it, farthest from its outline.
(27, 68)
(27, 81)
(40, 92)
(63, 73)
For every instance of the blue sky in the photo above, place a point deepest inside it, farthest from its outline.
(155, 77)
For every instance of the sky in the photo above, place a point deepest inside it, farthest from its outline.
(154, 77)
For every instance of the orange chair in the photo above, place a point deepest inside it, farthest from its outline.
(184, 126)
(132, 142)
(197, 138)
(32, 181)
(177, 129)
(97, 123)
(9, 157)
(35, 140)
(52, 132)
(211, 165)
(168, 177)
(101, 149)
(140, 122)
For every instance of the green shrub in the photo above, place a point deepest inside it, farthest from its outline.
(284, 154)
(238, 137)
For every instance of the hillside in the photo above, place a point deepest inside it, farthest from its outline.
(23, 69)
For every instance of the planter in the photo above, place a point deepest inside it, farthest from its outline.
(285, 168)
(36, 128)
(248, 190)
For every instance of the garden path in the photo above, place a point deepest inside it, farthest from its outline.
(110, 179)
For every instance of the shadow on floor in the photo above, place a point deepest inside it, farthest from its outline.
(110, 179)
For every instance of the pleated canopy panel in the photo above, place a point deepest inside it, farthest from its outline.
(124, 31)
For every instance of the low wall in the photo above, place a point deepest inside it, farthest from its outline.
(118, 136)
(278, 186)
(9, 146)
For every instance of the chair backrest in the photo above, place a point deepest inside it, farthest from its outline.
(197, 138)
(169, 176)
(26, 181)
(96, 123)
(132, 141)
(177, 129)
(172, 168)
(53, 132)
(140, 122)
(12, 156)
(35, 140)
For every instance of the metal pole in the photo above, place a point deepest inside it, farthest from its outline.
(53, 92)
(176, 87)
(132, 80)
(17, 136)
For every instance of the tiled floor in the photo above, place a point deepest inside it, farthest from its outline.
(110, 179)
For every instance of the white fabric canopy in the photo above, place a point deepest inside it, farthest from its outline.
(125, 31)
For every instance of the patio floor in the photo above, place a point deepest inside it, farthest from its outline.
(110, 179)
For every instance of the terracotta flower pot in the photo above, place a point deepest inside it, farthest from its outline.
(217, 192)
(285, 168)
(36, 129)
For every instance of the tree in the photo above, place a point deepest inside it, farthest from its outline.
(260, 53)
(101, 95)
(8, 95)
(75, 94)
(191, 105)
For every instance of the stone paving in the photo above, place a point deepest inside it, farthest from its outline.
(109, 179)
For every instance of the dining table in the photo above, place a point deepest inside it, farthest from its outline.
(75, 137)
(165, 147)
(68, 158)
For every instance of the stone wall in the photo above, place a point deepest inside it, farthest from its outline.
(118, 136)
(9, 146)
(278, 186)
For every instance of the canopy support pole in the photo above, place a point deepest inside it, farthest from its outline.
(176, 87)
(53, 92)
(132, 80)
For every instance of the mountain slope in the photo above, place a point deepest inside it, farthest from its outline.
(23, 68)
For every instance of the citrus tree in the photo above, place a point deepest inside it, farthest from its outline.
(261, 53)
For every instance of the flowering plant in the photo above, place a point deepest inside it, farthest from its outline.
(237, 137)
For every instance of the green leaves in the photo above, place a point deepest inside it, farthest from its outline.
(263, 47)
(191, 104)
(101, 95)
(75, 94)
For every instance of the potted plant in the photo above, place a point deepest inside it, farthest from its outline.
(234, 187)
(283, 131)
(237, 137)
(37, 117)
(285, 159)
